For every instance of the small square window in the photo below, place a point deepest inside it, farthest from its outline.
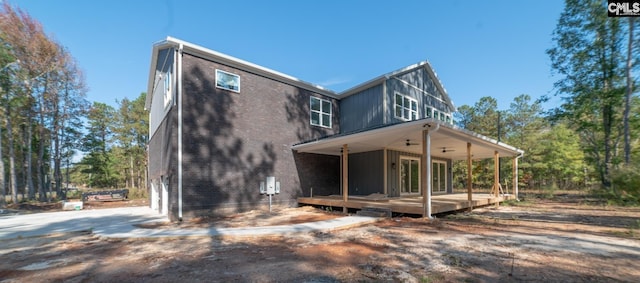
(320, 112)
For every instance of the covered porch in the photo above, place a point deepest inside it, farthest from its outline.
(408, 186)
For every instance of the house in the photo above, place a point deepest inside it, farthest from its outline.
(219, 126)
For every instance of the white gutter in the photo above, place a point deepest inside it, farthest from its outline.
(179, 98)
(429, 169)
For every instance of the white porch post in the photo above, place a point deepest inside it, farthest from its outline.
(515, 176)
(469, 177)
(425, 174)
(345, 177)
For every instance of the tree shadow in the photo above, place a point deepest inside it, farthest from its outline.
(223, 165)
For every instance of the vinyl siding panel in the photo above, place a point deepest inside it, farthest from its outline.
(416, 84)
(362, 110)
(159, 109)
(366, 173)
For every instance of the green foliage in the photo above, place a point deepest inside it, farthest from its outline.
(562, 157)
(589, 55)
(626, 185)
(116, 146)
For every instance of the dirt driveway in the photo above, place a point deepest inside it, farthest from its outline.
(563, 240)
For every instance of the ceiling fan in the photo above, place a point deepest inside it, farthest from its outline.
(445, 150)
(409, 143)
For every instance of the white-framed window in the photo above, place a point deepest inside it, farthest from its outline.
(228, 81)
(428, 112)
(320, 112)
(406, 108)
(167, 89)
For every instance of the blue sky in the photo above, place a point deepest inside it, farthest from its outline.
(477, 48)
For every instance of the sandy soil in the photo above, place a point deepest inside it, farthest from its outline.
(562, 240)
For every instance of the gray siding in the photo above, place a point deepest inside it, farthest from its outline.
(419, 85)
(366, 173)
(362, 110)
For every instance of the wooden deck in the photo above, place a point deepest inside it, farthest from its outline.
(406, 205)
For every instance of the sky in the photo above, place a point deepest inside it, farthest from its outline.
(477, 48)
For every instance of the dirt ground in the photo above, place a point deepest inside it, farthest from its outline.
(566, 239)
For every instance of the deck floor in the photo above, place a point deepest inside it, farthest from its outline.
(407, 205)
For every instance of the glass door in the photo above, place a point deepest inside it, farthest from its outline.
(409, 175)
(439, 177)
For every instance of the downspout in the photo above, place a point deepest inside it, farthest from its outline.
(429, 172)
(179, 98)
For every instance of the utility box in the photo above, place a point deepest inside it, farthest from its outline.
(271, 185)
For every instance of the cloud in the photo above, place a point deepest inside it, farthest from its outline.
(334, 81)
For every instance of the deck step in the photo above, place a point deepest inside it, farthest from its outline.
(374, 212)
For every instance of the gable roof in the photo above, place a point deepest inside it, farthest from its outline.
(222, 58)
(381, 79)
(215, 56)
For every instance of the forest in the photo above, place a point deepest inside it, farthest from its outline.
(52, 137)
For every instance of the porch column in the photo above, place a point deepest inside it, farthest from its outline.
(469, 177)
(345, 177)
(425, 174)
(496, 174)
(515, 176)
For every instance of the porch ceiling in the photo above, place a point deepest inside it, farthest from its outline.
(447, 141)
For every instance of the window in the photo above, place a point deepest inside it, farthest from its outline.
(167, 89)
(227, 81)
(442, 116)
(320, 112)
(439, 177)
(409, 175)
(406, 108)
(427, 112)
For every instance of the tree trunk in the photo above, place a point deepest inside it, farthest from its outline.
(131, 170)
(627, 103)
(13, 178)
(41, 171)
(3, 202)
(27, 159)
(607, 117)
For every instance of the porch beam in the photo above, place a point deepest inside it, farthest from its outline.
(469, 177)
(345, 177)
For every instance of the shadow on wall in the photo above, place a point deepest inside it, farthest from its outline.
(222, 164)
(320, 172)
(298, 111)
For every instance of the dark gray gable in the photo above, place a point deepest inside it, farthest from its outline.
(421, 79)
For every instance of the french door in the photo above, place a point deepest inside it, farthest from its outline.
(439, 177)
(409, 175)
